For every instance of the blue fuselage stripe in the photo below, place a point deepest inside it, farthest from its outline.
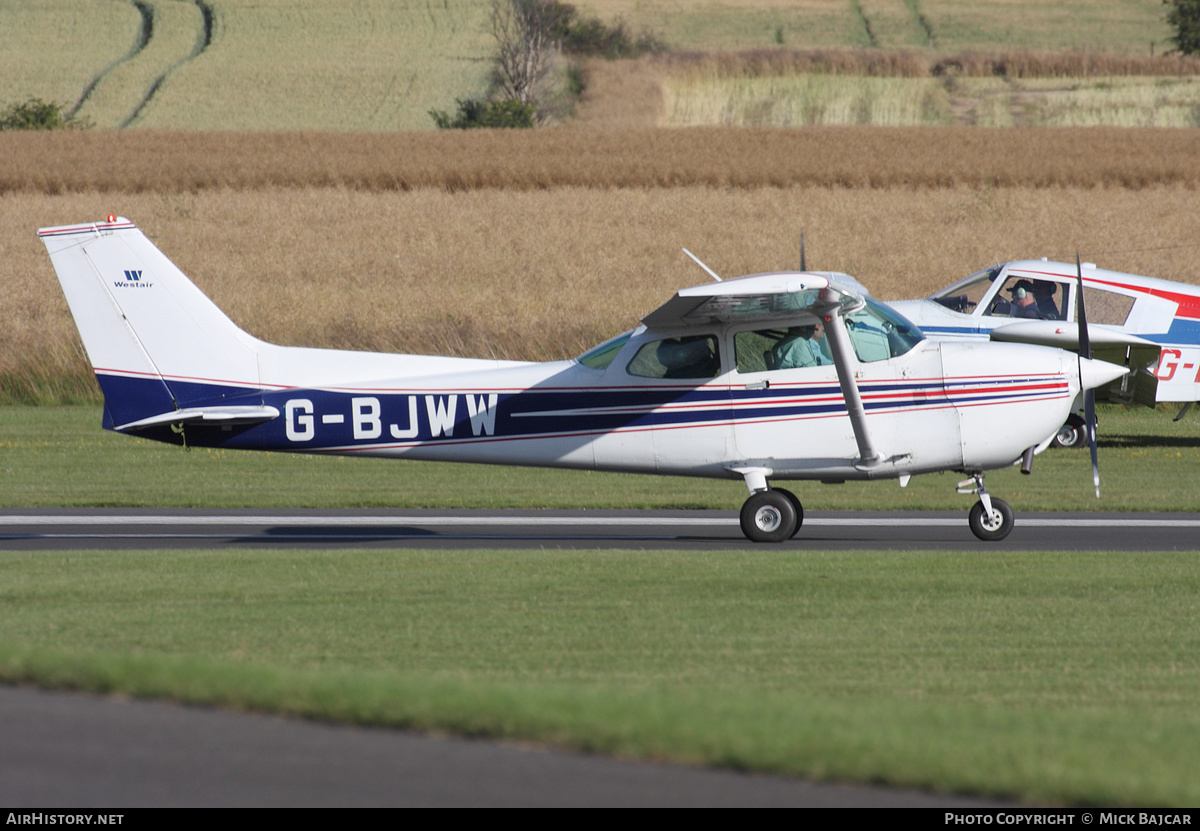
(315, 419)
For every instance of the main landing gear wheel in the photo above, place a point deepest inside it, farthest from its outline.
(770, 516)
(994, 526)
(795, 504)
(1070, 434)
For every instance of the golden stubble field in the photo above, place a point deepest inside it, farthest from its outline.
(544, 273)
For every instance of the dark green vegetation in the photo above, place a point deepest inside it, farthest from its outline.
(1047, 677)
(1184, 17)
(36, 114)
(537, 74)
(479, 113)
(59, 456)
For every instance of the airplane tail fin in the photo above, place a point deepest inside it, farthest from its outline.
(161, 350)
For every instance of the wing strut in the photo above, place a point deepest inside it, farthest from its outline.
(845, 361)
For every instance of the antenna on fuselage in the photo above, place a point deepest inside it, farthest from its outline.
(698, 262)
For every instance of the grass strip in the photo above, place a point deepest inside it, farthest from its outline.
(60, 457)
(1045, 677)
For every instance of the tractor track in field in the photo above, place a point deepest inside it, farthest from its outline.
(203, 41)
(145, 35)
(145, 32)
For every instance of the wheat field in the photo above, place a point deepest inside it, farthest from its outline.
(544, 273)
(857, 157)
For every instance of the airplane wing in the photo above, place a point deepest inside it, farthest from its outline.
(1108, 344)
(758, 297)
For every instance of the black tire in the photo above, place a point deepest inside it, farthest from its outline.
(768, 516)
(996, 527)
(795, 504)
(1071, 434)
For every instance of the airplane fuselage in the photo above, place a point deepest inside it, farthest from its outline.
(564, 414)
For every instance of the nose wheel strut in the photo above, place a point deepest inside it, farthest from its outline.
(990, 519)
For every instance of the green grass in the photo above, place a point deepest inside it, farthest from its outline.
(52, 49)
(1041, 676)
(1094, 25)
(1046, 677)
(59, 456)
(1101, 25)
(383, 64)
(272, 64)
(814, 99)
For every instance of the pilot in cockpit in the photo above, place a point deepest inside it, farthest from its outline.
(803, 346)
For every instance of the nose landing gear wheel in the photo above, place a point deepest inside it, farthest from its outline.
(769, 516)
(994, 526)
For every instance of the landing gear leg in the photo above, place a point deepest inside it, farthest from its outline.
(990, 519)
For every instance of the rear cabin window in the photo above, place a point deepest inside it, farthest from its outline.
(693, 356)
(1102, 306)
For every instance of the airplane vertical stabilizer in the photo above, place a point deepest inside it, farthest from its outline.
(156, 342)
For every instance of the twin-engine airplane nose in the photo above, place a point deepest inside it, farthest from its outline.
(1094, 373)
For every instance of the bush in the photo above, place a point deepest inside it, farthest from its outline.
(474, 112)
(1184, 16)
(589, 37)
(36, 114)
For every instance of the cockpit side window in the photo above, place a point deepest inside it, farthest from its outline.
(793, 347)
(691, 356)
(1031, 298)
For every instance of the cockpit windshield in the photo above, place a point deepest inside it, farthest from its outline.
(599, 357)
(967, 293)
(879, 332)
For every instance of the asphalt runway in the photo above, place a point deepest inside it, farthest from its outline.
(59, 529)
(82, 751)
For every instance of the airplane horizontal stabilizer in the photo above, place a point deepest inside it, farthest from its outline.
(227, 416)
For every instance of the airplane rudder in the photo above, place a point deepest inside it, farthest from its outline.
(155, 341)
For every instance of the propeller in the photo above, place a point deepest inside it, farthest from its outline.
(803, 266)
(1089, 395)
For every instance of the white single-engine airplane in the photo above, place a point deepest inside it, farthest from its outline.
(1151, 326)
(730, 379)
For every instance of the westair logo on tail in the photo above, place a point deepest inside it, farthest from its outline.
(133, 280)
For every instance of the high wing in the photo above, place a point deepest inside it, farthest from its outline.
(796, 297)
(756, 298)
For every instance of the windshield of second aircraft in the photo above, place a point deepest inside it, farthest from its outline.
(965, 295)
